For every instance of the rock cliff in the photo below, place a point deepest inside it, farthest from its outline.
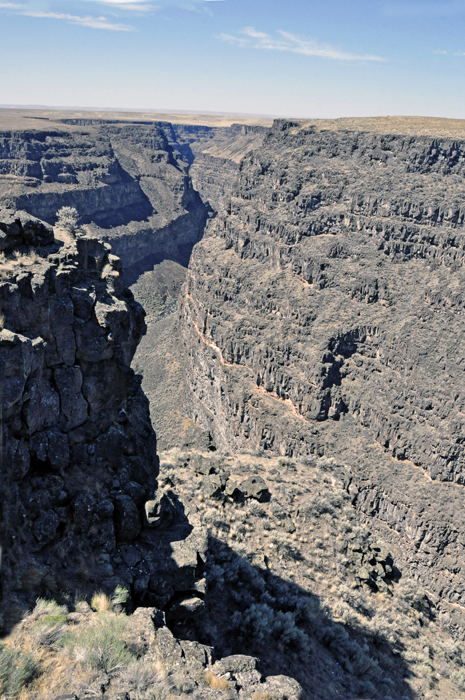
(215, 154)
(126, 181)
(80, 509)
(80, 505)
(323, 314)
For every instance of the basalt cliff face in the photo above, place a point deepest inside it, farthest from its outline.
(126, 181)
(215, 154)
(80, 508)
(317, 343)
(133, 184)
(323, 314)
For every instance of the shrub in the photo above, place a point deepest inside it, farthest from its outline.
(101, 646)
(139, 675)
(119, 598)
(158, 693)
(16, 670)
(100, 602)
(67, 218)
(49, 630)
(410, 595)
(49, 608)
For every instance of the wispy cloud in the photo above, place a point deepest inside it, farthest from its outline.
(88, 21)
(200, 8)
(439, 8)
(251, 38)
(128, 5)
(450, 53)
(134, 7)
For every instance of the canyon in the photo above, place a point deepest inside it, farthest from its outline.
(302, 283)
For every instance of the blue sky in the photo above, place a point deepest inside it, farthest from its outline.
(301, 58)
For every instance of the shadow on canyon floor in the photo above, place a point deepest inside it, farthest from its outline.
(250, 610)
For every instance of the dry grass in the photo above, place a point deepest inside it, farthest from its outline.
(59, 674)
(414, 126)
(2, 321)
(215, 682)
(10, 263)
(52, 653)
(62, 235)
(100, 602)
(26, 259)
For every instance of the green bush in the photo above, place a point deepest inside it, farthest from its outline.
(16, 670)
(67, 218)
(49, 608)
(49, 630)
(119, 597)
(103, 645)
(458, 677)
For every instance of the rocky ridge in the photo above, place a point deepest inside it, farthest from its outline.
(80, 506)
(128, 184)
(135, 184)
(322, 315)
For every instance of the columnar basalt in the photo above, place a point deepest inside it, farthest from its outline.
(78, 452)
(323, 314)
(127, 182)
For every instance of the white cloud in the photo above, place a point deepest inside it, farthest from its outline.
(445, 53)
(88, 21)
(198, 7)
(251, 38)
(128, 6)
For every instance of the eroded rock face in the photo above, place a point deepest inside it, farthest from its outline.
(127, 182)
(78, 452)
(215, 154)
(323, 315)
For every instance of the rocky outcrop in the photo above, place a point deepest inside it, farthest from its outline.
(215, 154)
(145, 187)
(126, 181)
(322, 315)
(78, 452)
(105, 653)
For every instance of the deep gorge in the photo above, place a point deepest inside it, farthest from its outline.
(303, 291)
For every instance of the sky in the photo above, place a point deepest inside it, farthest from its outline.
(293, 58)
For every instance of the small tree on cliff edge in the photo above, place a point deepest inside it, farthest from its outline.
(67, 218)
